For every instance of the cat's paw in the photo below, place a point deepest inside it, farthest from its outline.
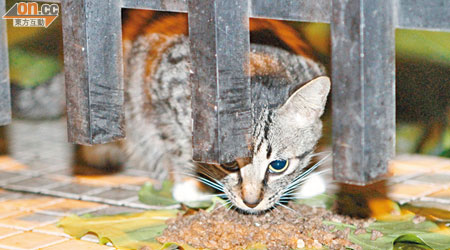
(189, 190)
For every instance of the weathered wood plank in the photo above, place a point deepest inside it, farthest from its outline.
(294, 10)
(363, 89)
(161, 5)
(423, 14)
(94, 72)
(412, 14)
(5, 96)
(221, 96)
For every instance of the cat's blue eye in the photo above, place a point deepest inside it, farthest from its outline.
(278, 166)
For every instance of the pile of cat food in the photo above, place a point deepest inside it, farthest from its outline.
(279, 229)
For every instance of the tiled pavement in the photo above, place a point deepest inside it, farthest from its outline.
(40, 165)
(28, 221)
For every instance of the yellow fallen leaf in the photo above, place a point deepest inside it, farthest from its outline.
(125, 231)
(387, 210)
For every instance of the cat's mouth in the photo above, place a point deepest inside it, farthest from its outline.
(265, 205)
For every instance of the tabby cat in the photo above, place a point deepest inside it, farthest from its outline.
(288, 86)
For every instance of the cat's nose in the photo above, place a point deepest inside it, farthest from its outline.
(251, 195)
(252, 204)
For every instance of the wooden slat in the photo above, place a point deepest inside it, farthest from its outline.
(423, 14)
(5, 97)
(94, 74)
(221, 96)
(363, 89)
(294, 10)
(161, 5)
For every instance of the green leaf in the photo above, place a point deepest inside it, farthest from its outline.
(321, 200)
(147, 234)
(398, 235)
(158, 197)
(401, 234)
(28, 69)
(163, 196)
(410, 242)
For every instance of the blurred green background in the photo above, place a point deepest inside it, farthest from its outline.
(422, 72)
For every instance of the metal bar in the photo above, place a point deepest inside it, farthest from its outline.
(423, 14)
(5, 96)
(94, 73)
(221, 94)
(363, 89)
(294, 10)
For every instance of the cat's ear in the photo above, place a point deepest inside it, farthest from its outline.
(307, 104)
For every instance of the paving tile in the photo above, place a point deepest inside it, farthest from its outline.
(411, 190)
(445, 169)
(68, 171)
(28, 220)
(6, 232)
(113, 210)
(75, 190)
(68, 206)
(427, 161)
(8, 195)
(9, 164)
(77, 245)
(117, 194)
(433, 178)
(7, 212)
(35, 183)
(29, 202)
(442, 194)
(397, 168)
(33, 241)
(134, 172)
(426, 203)
(6, 177)
(410, 164)
(51, 229)
(110, 180)
(400, 178)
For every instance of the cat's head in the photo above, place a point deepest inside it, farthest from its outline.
(284, 139)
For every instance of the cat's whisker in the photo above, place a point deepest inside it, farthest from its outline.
(275, 207)
(222, 205)
(209, 183)
(212, 183)
(201, 169)
(206, 171)
(314, 167)
(231, 207)
(279, 204)
(295, 185)
(297, 180)
(291, 187)
(216, 195)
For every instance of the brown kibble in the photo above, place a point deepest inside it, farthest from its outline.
(280, 229)
(360, 231)
(418, 219)
(376, 234)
